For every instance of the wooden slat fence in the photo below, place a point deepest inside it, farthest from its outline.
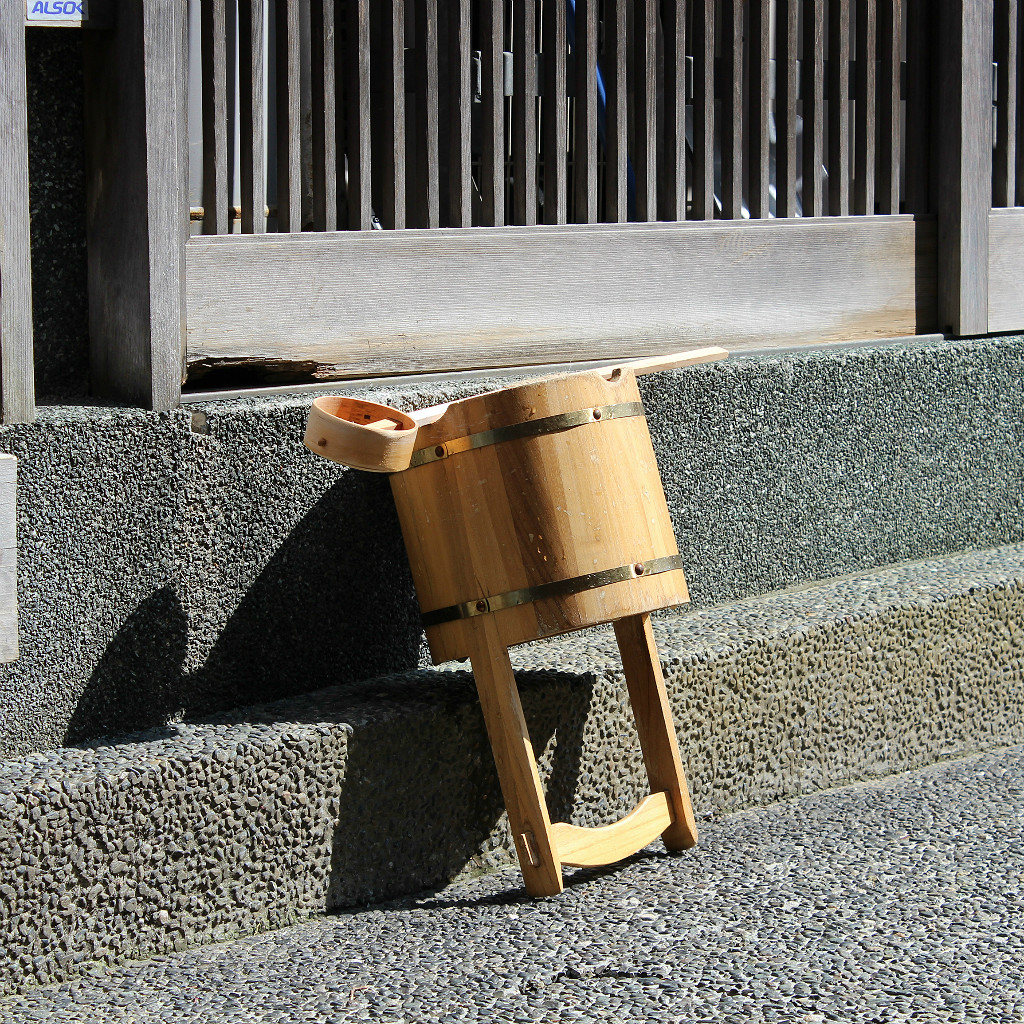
(555, 111)
(638, 175)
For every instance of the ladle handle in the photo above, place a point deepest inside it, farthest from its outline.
(674, 360)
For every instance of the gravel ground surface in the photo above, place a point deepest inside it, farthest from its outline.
(892, 901)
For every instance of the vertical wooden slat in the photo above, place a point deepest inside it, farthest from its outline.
(703, 110)
(890, 33)
(492, 112)
(864, 121)
(1004, 179)
(839, 108)
(758, 105)
(672, 151)
(555, 116)
(324, 92)
(732, 109)
(814, 108)
(962, 147)
(17, 388)
(645, 52)
(524, 111)
(216, 212)
(393, 198)
(616, 209)
(585, 147)
(289, 140)
(136, 140)
(427, 194)
(357, 114)
(460, 186)
(787, 13)
(252, 120)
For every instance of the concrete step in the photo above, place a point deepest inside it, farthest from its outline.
(262, 817)
(894, 900)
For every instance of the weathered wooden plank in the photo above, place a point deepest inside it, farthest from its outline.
(8, 555)
(324, 93)
(357, 114)
(585, 117)
(1006, 270)
(17, 387)
(645, 54)
(703, 207)
(555, 116)
(398, 302)
(393, 198)
(732, 109)
(890, 36)
(492, 112)
(839, 108)
(812, 200)
(616, 193)
(786, 23)
(252, 115)
(524, 111)
(865, 114)
(289, 125)
(460, 176)
(672, 150)
(962, 149)
(759, 100)
(1004, 178)
(137, 160)
(427, 187)
(213, 31)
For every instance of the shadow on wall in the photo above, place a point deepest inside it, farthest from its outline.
(323, 611)
(413, 813)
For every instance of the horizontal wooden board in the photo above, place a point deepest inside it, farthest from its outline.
(1005, 270)
(349, 304)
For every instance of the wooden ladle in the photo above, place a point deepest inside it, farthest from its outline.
(379, 439)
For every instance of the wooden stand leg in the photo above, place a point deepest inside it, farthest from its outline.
(514, 758)
(654, 724)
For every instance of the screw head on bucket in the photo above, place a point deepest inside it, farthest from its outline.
(597, 414)
(638, 568)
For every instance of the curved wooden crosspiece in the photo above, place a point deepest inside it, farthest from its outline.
(592, 847)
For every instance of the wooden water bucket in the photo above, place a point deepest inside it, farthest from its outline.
(529, 512)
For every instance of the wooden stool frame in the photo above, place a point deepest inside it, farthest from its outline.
(544, 847)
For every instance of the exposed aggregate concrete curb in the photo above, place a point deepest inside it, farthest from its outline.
(888, 902)
(177, 565)
(263, 816)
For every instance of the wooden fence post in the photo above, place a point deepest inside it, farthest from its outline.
(17, 388)
(137, 207)
(962, 150)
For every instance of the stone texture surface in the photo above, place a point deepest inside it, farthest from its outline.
(175, 565)
(894, 901)
(257, 818)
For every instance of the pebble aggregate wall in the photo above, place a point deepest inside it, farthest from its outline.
(171, 566)
(202, 831)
